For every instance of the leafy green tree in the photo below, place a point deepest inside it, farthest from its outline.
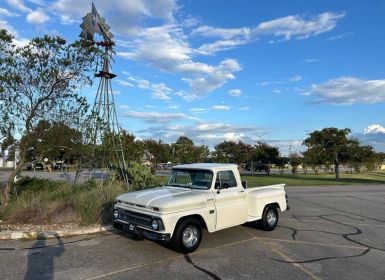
(39, 83)
(185, 151)
(295, 160)
(266, 154)
(331, 142)
(54, 141)
(281, 162)
(313, 158)
(233, 152)
(156, 151)
(356, 156)
(133, 148)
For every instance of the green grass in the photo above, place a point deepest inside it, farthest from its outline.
(375, 177)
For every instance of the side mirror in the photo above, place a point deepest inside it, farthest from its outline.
(244, 184)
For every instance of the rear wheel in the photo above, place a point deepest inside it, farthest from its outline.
(270, 218)
(187, 236)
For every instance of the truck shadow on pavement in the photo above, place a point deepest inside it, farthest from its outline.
(41, 259)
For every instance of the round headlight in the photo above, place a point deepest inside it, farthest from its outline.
(116, 214)
(154, 224)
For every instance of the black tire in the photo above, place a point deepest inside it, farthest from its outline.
(269, 218)
(191, 229)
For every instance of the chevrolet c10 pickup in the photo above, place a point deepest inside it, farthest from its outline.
(198, 196)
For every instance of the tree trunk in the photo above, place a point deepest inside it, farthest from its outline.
(11, 179)
(337, 170)
(252, 168)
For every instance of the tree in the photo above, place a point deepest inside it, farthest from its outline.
(331, 142)
(295, 160)
(54, 141)
(39, 83)
(356, 155)
(281, 163)
(231, 151)
(185, 151)
(266, 154)
(133, 148)
(313, 158)
(156, 151)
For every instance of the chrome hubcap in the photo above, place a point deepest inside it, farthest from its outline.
(271, 217)
(190, 236)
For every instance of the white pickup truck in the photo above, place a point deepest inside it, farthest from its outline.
(196, 196)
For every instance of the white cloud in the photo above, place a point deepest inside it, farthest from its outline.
(235, 92)
(198, 109)
(7, 13)
(172, 107)
(210, 132)
(341, 36)
(295, 78)
(311, 60)
(348, 90)
(217, 78)
(19, 5)
(225, 33)
(124, 83)
(124, 16)
(220, 108)
(244, 108)
(143, 84)
(160, 91)
(37, 17)
(156, 117)
(220, 45)
(299, 27)
(215, 107)
(125, 107)
(285, 28)
(37, 2)
(374, 128)
(5, 25)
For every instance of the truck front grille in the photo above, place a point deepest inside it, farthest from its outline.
(135, 218)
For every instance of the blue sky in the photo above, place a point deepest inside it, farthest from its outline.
(232, 70)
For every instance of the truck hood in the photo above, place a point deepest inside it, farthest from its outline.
(167, 199)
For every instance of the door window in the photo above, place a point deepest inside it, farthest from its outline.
(225, 180)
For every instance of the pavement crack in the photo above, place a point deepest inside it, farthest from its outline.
(209, 273)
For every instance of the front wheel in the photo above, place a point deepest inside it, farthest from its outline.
(188, 235)
(270, 218)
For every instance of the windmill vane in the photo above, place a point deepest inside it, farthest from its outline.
(94, 23)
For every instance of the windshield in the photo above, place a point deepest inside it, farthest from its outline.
(191, 178)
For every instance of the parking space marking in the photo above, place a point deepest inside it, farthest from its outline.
(315, 243)
(285, 257)
(325, 221)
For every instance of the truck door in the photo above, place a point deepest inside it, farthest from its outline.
(230, 200)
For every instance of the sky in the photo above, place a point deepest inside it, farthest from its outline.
(216, 70)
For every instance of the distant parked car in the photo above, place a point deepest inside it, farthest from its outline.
(259, 166)
(58, 166)
(38, 166)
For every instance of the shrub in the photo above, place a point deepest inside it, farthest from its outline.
(58, 202)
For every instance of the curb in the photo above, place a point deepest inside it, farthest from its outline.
(14, 235)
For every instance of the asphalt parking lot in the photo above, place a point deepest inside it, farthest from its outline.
(329, 233)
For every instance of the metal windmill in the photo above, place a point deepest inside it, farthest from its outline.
(104, 127)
